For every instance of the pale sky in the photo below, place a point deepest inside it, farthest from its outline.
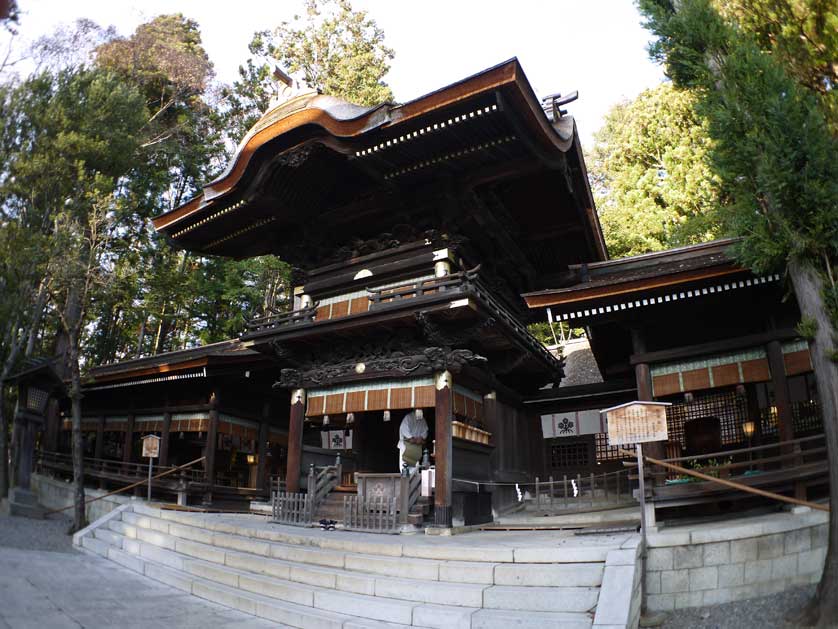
(595, 46)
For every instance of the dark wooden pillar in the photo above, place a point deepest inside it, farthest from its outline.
(443, 495)
(26, 452)
(643, 376)
(128, 445)
(782, 399)
(53, 426)
(494, 426)
(212, 441)
(295, 440)
(99, 448)
(262, 447)
(163, 461)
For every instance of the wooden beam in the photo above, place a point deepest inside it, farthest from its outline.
(443, 459)
(295, 440)
(211, 445)
(782, 399)
(164, 439)
(715, 347)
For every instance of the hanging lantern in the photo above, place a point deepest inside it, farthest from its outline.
(350, 418)
(420, 414)
(325, 420)
(386, 416)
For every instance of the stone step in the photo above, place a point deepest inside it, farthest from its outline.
(586, 571)
(327, 608)
(214, 544)
(436, 592)
(297, 580)
(283, 611)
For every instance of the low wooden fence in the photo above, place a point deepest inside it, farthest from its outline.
(292, 508)
(371, 515)
(582, 491)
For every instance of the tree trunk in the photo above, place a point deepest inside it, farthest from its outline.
(37, 314)
(79, 519)
(4, 443)
(822, 610)
(14, 343)
(141, 339)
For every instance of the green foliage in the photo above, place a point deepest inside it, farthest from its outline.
(802, 34)
(541, 331)
(124, 126)
(807, 328)
(651, 177)
(332, 47)
(773, 147)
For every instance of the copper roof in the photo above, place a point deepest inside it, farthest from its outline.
(193, 357)
(317, 156)
(644, 272)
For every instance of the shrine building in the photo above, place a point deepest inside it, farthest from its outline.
(425, 237)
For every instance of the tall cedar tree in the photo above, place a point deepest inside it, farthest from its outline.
(651, 176)
(774, 151)
(332, 48)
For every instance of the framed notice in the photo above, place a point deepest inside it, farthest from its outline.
(636, 422)
(151, 446)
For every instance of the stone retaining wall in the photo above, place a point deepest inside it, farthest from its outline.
(722, 562)
(54, 493)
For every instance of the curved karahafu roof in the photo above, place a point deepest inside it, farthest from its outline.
(316, 169)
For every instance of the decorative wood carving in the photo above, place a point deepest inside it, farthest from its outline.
(449, 336)
(398, 357)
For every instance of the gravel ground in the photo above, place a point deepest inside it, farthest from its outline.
(28, 534)
(758, 613)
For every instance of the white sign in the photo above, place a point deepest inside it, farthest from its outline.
(636, 422)
(151, 446)
(572, 424)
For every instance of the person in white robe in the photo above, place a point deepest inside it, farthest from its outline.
(413, 430)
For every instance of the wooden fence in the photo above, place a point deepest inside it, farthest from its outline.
(583, 491)
(371, 515)
(292, 508)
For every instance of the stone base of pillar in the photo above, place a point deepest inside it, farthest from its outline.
(443, 516)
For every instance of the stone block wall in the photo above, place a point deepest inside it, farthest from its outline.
(719, 564)
(55, 493)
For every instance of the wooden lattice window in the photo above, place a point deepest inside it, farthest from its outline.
(607, 452)
(730, 408)
(572, 454)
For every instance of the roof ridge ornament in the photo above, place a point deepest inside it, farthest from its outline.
(288, 86)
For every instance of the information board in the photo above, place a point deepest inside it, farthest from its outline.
(151, 446)
(636, 422)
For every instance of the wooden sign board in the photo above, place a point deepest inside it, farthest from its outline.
(636, 422)
(151, 446)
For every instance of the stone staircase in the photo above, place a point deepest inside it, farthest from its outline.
(348, 581)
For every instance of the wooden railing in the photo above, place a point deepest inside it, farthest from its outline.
(790, 466)
(796, 451)
(278, 320)
(109, 469)
(583, 491)
(412, 289)
(410, 490)
(322, 480)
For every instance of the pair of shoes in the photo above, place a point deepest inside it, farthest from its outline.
(328, 525)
